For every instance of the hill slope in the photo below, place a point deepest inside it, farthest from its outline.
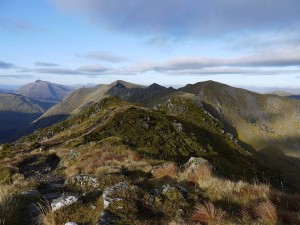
(44, 91)
(262, 121)
(121, 163)
(16, 113)
(84, 97)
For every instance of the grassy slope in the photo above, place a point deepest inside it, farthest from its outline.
(262, 121)
(16, 113)
(154, 133)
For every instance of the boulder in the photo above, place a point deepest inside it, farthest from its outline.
(63, 201)
(194, 162)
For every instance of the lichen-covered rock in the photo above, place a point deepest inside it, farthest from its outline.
(174, 192)
(73, 154)
(194, 162)
(84, 180)
(120, 204)
(109, 194)
(178, 127)
(63, 201)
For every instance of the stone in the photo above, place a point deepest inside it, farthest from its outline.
(109, 192)
(84, 180)
(194, 162)
(31, 193)
(178, 127)
(64, 200)
(71, 223)
(172, 192)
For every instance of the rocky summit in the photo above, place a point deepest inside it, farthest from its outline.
(129, 154)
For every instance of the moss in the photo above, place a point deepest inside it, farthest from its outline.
(6, 174)
(146, 130)
(5, 151)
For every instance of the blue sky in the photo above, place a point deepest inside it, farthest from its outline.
(249, 43)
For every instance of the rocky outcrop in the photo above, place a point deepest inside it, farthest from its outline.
(109, 194)
(63, 201)
(84, 180)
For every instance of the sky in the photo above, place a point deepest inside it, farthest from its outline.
(248, 43)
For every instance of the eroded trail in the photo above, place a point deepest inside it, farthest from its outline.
(41, 169)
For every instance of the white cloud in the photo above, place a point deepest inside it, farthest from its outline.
(104, 56)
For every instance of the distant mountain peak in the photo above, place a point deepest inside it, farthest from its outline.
(123, 84)
(156, 86)
(120, 85)
(44, 91)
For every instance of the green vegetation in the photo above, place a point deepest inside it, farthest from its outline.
(127, 164)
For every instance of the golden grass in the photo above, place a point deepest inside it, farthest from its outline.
(81, 213)
(241, 193)
(166, 170)
(207, 213)
(8, 204)
(266, 212)
(201, 172)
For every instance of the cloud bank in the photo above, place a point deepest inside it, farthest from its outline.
(103, 56)
(5, 65)
(193, 17)
(46, 64)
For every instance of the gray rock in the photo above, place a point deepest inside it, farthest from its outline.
(109, 192)
(74, 154)
(84, 180)
(63, 201)
(194, 162)
(71, 223)
(31, 193)
(178, 127)
(168, 188)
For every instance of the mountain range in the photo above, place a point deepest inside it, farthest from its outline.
(122, 151)
(18, 109)
(44, 91)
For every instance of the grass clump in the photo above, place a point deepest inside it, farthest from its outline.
(207, 213)
(266, 212)
(81, 213)
(166, 170)
(6, 174)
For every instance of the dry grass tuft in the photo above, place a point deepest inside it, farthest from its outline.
(167, 170)
(207, 213)
(290, 218)
(8, 204)
(78, 212)
(285, 201)
(203, 172)
(266, 212)
(134, 156)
